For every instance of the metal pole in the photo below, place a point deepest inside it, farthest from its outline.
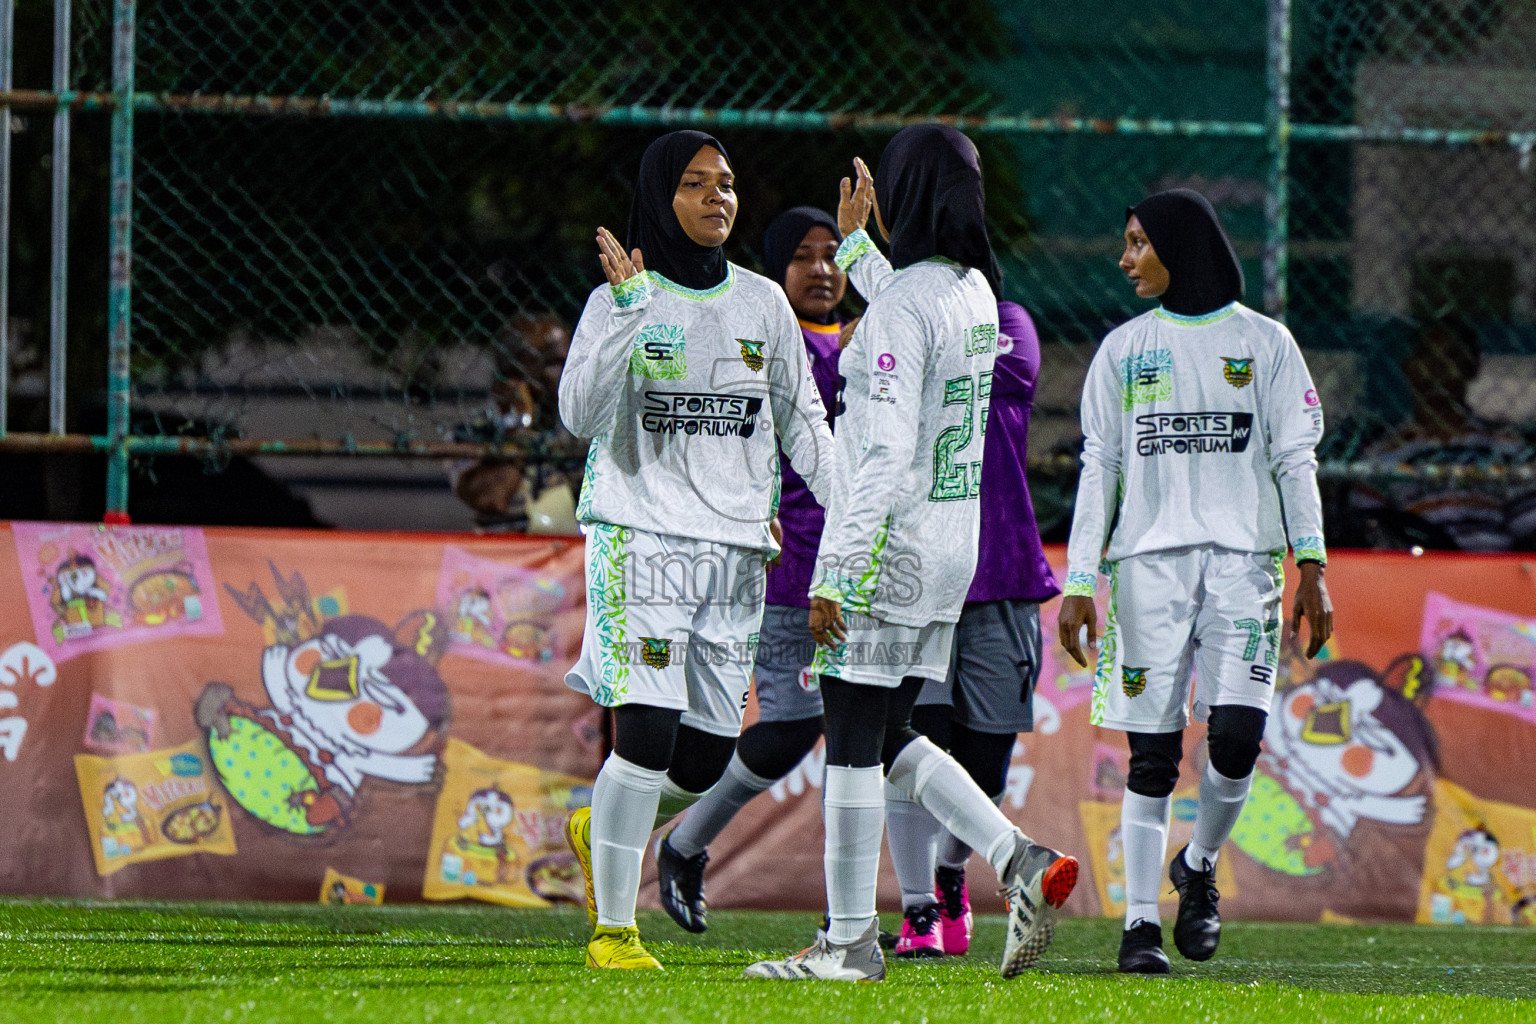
(120, 255)
(1277, 195)
(7, 55)
(59, 264)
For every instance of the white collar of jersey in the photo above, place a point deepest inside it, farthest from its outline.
(1197, 321)
(695, 293)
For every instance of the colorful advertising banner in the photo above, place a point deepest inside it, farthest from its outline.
(238, 714)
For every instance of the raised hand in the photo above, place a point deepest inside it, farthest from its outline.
(616, 265)
(856, 201)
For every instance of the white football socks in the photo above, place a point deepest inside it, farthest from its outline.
(936, 780)
(953, 853)
(1221, 804)
(913, 837)
(854, 806)
(674, 800)
(715, 810)
(624, 800)
(1144, 838)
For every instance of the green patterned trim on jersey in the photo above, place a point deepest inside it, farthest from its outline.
(608, 605)
(659, 353)
(588, 483)
(699, 294)
(862, 592)
(632, 290)
(1109, 648)
(1196, 321)
(1079, 584)
(854, 248)
(1310, 549)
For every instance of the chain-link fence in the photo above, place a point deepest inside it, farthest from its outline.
(345, 217)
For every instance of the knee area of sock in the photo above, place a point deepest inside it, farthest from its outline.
(1234, 740)
(1155, 760)
(895, 744)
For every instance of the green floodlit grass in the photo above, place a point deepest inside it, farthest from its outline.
(170, 963)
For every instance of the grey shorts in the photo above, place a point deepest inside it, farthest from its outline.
(993, 668)
(786, 689)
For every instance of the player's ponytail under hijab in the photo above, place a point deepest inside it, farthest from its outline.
(931, 199)
(653, 225)
(1203, 271)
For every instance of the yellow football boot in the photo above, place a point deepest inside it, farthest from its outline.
(619, 948)
(578, 836)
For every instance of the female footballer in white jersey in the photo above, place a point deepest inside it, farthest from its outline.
(1199, 423)
(898, 553)
(683, 370)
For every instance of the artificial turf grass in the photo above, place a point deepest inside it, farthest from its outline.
(309, 963)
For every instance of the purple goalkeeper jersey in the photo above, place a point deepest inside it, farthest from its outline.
(799, 515)
(1010, 562)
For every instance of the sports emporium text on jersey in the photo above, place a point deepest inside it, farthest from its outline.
(680, 412)
(1158, 433)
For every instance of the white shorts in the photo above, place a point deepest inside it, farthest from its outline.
(671, 623)
(880, 653)
(1204, 612)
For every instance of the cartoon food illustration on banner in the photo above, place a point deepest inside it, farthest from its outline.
(117, 727)
(1480, 656)
(1480, 862)
(94, 587)
(499, 612)
(149, 806)
(355, 701)
(338, 889)
(497, 832)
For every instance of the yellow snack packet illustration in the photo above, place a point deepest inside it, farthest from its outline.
(497, 833)
(149, 806)
(340, 889)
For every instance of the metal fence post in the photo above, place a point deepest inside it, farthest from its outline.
(59, 258)
(1277, 195)
(7, 58)
(120, 254)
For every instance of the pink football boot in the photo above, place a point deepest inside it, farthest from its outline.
(954, 910)
(920, 933)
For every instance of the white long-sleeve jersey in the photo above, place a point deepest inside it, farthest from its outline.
(1197, 431)
(683, 393)
(905, 511)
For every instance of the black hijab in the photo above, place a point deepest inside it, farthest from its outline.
(653, 225)
(786, 232)
(931, 200)
(1186, 234)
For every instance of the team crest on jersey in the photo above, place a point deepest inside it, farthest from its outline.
(1133, 681)
(656, 652)
(751, 354)
(1238, 372)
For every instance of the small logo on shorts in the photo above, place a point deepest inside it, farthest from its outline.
(1238, 372)
(751, 354)
(1133, 681)
(656, 653)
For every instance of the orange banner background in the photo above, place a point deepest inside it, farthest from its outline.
(482, 629)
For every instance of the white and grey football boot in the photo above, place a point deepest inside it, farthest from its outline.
(859, 960)
(1037, 882)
